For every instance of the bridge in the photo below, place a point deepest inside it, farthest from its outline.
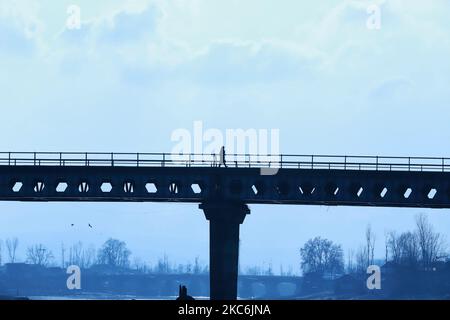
(225, 190)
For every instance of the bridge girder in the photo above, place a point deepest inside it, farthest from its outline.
(245, 185)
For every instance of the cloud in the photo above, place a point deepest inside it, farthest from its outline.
(14, 41)
(231, 64)
(129, 27)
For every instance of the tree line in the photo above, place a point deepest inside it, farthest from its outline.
(113, 253)
(419, 249)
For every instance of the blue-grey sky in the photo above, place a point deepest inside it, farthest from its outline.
(137, 70)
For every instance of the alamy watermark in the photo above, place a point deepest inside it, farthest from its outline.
(74, 280)
(258, 146)
(374, 280)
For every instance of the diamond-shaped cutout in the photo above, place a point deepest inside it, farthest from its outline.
(336, 191)
(61, 187)
(407, 193)
(39, 186)
(432, 193)
(306, 189)
(17, 186)
(332, 189)
(151, 187)
(128, 187)
(196, 188)
(258, 188)
(83, 187)
(174, 188)
(360, 191)
(106, 187)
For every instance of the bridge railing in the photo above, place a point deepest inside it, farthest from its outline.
(325, 162)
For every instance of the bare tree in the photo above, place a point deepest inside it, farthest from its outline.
(322, 256)
(189, 267)
(88, 257)
(430, 243)
(115, 253)
(267, 271)
(370, 245)
(78, 255)
(63, 255)
(11, 245)
(39, 255)
(140, 265)
(282, 273)
(350, 261)
(386, 247)
(394, 247)
(163, 266)
(361, 259)
(197, 266)
(410, 254)
(75, 254)
(420, 248)
(404, 249)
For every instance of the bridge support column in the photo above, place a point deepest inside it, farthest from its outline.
(224, 221)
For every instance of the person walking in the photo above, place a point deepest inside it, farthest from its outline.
(222, 157)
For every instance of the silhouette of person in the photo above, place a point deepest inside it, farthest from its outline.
(183, 294)
(222, 157)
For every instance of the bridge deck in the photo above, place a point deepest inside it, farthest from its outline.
(315, 180)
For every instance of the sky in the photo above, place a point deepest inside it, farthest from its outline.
(135, 71)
